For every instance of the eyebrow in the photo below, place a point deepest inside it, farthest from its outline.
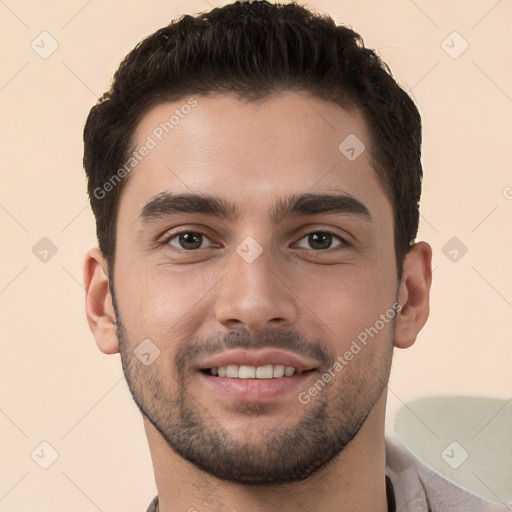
(167, 204)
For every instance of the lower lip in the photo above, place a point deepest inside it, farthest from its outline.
(256, 390)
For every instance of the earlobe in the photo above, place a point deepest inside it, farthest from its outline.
(414, 294)
(98, 302)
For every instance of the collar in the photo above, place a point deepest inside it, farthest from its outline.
(390, 495)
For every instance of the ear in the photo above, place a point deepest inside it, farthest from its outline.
(414, 294)
(98, 302)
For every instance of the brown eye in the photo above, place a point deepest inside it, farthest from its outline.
(322, 240)
(188, 240)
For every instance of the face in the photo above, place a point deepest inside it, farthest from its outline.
(249, 245)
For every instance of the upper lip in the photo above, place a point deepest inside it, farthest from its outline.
(257, 358)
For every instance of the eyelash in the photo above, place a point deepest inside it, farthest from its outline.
(344, 243)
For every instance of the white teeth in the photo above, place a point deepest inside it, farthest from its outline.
(232, 371)
(278, 370)
(247, 372)
(264, 372)
(289, 371)
(268, 371)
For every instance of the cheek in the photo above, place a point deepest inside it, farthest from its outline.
(350, 303)
(160, 304)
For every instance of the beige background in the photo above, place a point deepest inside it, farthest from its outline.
(55, 384)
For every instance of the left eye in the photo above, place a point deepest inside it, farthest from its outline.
(188, 240)
(322, 240)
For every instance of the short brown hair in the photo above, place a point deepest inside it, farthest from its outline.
(256, 49)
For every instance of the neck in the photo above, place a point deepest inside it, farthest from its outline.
(354, 481)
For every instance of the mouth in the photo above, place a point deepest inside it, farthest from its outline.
(255, 376)
(269, 371)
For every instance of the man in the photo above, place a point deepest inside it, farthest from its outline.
(255, 176)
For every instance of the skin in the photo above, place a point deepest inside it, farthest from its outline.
(296, 295)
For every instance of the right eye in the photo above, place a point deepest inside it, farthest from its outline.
(187, 240)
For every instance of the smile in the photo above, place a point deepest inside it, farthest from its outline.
(268, 371)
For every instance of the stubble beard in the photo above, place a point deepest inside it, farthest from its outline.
(284, 454)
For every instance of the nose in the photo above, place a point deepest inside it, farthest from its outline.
(256, 295)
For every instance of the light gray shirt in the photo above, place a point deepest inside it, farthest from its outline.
(420, 488)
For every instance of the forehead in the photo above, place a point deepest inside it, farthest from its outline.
(251, 152)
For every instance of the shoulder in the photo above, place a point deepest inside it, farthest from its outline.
(420, 488)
